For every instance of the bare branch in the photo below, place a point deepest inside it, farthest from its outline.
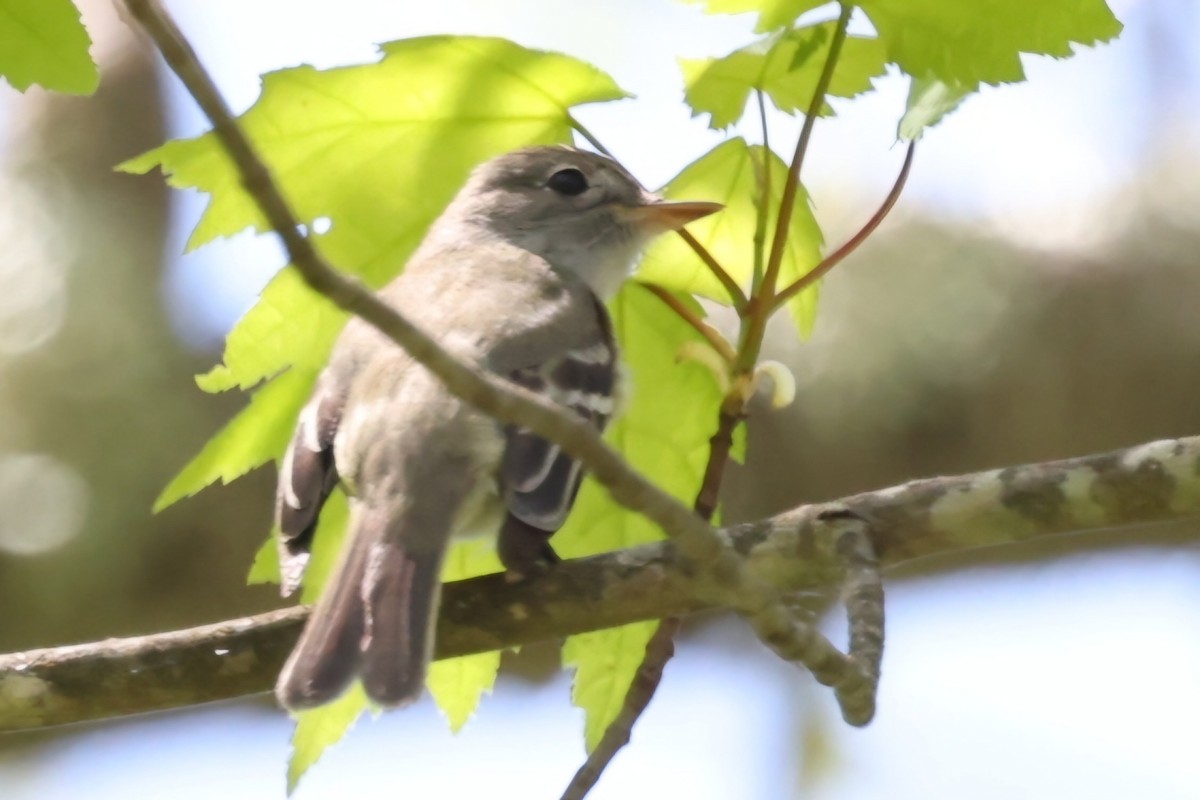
(1149, 483)
(854, 675)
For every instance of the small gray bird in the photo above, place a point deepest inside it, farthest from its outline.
(511, 277)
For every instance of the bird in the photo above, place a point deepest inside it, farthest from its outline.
(513, 278)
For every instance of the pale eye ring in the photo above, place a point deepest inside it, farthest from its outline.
(568, 181)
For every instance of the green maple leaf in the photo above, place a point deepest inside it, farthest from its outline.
(968, 42)
(605, 663)
(729, 174)
(318, 728)
(786, 67)
(43, 42)
(457, 684)
(378, 150)
(772, 14)
(949, 47)
(929, 101)
(259, 433)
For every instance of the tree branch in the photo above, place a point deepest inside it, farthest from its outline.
(1149, 483)
(720, 576)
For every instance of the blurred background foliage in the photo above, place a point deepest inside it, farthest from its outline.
(99, 405)
(940, 347)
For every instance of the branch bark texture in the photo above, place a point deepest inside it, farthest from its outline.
(1149, 483)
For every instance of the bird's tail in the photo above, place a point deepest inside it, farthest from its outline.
(377, 615)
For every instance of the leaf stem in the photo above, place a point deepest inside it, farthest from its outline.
(761, 305)
(661, 647)
(589, 137)
(719, 343)
(764, 198)
(737, 298)
(833, 259)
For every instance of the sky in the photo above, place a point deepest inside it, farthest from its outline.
(1066, 709)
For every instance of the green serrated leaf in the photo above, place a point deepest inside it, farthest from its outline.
(44, 42)
(458, 684)
(265, 568)
(673, 456)
(259, 433)
(327, 545)
(968, 43)
(605, 663)
(290, 325)
(928, 102)
(727, 174)
(320, 727)
(786, 66)
(379, 154)
(772, 14)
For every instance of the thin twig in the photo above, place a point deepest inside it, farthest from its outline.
(833, 259)
(737, 297)
(659, 650)
(792, 183)
(795, 641)
(711, 334)
(719, 448)
(760, 307)
(589, 137)
(661, 647)
(764, 197)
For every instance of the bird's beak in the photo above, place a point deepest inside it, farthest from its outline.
(656, 215)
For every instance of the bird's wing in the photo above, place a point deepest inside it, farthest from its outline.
(306, 477)
(539, 480)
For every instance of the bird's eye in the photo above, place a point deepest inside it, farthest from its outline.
(568, 181)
